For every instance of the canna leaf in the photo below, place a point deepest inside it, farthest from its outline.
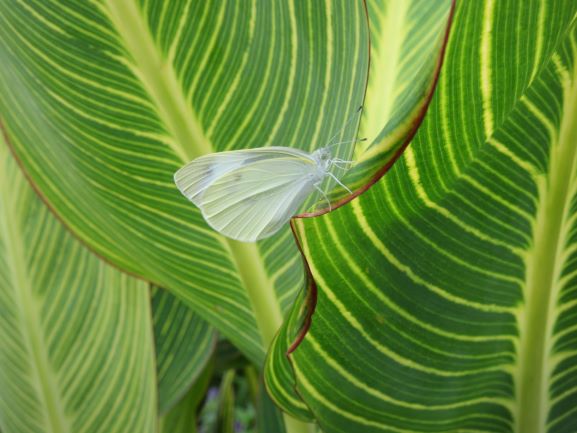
(103, 101)
(76, 352)
(407, 47)
(184, 345)
(448, 303)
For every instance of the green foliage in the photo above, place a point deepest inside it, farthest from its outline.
(446, 294)
(123, 94)
(183, 418)
(443, 297)
(76, 353)
(184, 344)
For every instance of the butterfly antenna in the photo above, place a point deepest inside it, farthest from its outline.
(339, 182)
(351, 118)
(358, 140)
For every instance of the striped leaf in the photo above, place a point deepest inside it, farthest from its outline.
(103, 101)
(184, 345)
(447, 293)
(76, 353)
(408, 40)
(268, 415)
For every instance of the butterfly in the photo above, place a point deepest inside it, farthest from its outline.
(250, 194)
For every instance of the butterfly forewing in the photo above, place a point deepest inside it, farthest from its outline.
(197, 175)
(256, 199)
(250, 194)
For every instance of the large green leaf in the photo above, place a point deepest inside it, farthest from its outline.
(408, 40)
(184, 345)
(447, 293)
(103, 101)
(76, 349)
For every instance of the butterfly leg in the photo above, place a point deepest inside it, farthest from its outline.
(337, 162)
(339, 182)
(337, 165)
(318, 187)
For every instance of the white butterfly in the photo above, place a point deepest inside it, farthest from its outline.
(250, 194)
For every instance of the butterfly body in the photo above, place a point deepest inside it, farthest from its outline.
(250, 194)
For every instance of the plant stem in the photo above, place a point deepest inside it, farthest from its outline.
(158, 76)
(260, 290)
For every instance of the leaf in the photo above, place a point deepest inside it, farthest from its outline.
(269, 417)
(103, 102)
(278, 374)
(448, 302)
(184, 345)
(76, 352)
(228, 357)
(225, 416)
(408, 41)
(182, 418)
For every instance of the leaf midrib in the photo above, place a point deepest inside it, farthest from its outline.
(543, 273)
(160, 80)
(11, 232)
(189, 141)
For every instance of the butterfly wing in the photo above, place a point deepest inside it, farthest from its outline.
(195, 177)
(255, 200)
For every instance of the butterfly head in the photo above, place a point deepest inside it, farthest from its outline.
(323, 158)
